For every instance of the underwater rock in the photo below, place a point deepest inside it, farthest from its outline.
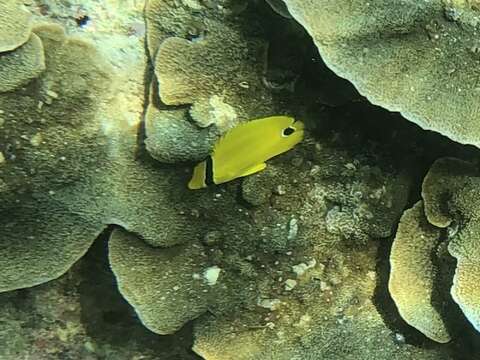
(450, 194)
(362, 200)
(257, 189)
(15, 25)
(415, 57)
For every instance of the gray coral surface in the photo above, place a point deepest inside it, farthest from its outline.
(106, 107)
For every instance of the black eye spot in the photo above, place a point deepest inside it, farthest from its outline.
(288, 131)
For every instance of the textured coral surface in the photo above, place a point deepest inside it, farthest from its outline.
(105, 253)
(443, 225)
(416, 57)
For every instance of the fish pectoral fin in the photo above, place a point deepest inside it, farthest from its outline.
(254, 169)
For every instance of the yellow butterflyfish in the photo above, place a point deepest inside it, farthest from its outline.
(244, 149)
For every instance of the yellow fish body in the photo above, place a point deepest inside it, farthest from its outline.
(243, 150)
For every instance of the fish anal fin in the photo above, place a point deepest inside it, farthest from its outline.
(253, 169)
(198, 179)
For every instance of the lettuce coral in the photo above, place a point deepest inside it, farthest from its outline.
(415, 57)
(210, 63)
(165, 286)
(450, 215)
(413, 273)
(15, 25)
(68, 168)
(38, 164)
(219, 67)
(278, 265)
(171, 137)
(292, 274)
(23, 64)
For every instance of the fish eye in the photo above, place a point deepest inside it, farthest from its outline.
(288, 131)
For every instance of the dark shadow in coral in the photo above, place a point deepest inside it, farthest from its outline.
(147, 78)
(111, 321)
(295, 70)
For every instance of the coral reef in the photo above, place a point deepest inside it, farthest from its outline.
(450, 194)
(418, 58)
(171, 137)
(240, 241)
(281, 269)
(461, 201)
(68, 167)
(211, 73)
(103, 110)
(210, 61)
